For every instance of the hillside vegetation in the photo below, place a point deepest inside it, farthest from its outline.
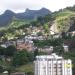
(62, 20)
(17, 23)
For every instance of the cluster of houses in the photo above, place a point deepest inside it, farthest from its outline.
(28, 44)
(22, 43)
(27, 41)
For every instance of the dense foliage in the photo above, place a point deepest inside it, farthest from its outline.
(50, 42)
(9, 51)
(22, 57)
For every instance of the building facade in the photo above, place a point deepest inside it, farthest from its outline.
(52, 65)
(47, 49)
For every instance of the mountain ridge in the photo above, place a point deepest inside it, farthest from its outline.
(7, 16)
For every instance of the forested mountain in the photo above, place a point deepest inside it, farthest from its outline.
(8, 15)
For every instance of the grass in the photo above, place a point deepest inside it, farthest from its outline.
(3, 74)
(26, 68)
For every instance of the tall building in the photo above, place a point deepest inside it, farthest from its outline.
(52, 65)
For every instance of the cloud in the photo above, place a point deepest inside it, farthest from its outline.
(58, 4)
(21, 5)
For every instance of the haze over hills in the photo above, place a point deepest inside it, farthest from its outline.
(8, 15)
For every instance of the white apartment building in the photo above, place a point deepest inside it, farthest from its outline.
(52, 65)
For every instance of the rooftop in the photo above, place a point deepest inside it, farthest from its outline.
(52, 56)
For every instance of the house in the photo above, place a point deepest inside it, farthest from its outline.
(28, 45)
(7, 43)
(70, 43)
(34, 37)
(47, 49)
(66, 48)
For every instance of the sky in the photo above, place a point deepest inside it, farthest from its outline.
(21, 5)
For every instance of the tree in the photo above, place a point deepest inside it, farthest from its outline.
(59, 50)
(22, 57)
(48, 18)
(34, 23)
(50, 42)
(46, 28)
(39, 33)
(1, 69)
(40, 20)
(8, 67)
(35, 53)
(2, 50)
(30, 73)
(10, 50)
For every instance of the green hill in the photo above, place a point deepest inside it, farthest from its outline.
(18, 22)
(64, 20)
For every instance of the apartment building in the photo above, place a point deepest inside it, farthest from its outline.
(52, 65)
